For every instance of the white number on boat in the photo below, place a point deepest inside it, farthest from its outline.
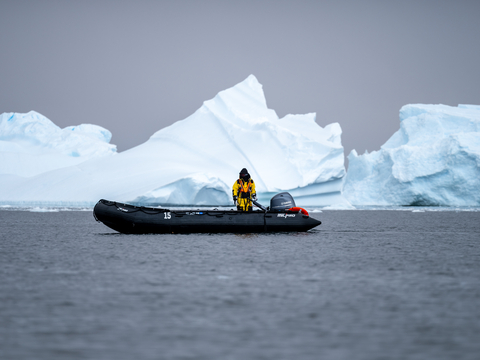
(167, 215)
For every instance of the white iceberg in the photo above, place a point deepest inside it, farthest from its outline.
(434, 159)
(30, 144)
(192, 162)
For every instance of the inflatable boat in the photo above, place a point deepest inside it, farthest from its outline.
(281, 216)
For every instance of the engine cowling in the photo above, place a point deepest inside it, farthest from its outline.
(281, 202)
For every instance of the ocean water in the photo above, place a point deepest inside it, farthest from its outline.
(366, 284)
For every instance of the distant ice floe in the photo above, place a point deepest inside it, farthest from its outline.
(340, 206)
(40, 209)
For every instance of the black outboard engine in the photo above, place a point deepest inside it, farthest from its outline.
(282, 202)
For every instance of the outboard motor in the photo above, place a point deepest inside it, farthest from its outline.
(281, 202)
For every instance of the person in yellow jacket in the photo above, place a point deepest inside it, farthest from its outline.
(243, 191)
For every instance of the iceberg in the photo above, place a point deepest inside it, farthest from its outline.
(432, 160)
(192, 162)
(31, 144)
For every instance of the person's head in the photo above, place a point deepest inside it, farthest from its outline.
(244, 175)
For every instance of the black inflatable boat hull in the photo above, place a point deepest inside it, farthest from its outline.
(129, 219)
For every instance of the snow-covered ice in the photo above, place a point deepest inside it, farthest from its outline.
(31, 144)
(433, 159)
(192, 162)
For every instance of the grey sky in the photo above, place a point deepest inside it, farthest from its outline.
(135, 67)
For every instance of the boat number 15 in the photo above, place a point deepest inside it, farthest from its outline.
(168, 216)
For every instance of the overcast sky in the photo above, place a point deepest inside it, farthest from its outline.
(135, 67)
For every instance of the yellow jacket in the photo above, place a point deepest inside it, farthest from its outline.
(242, 192)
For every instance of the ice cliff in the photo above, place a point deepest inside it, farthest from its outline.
(193, 161)
(433, 159)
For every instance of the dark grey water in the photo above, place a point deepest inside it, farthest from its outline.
(366, 285)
